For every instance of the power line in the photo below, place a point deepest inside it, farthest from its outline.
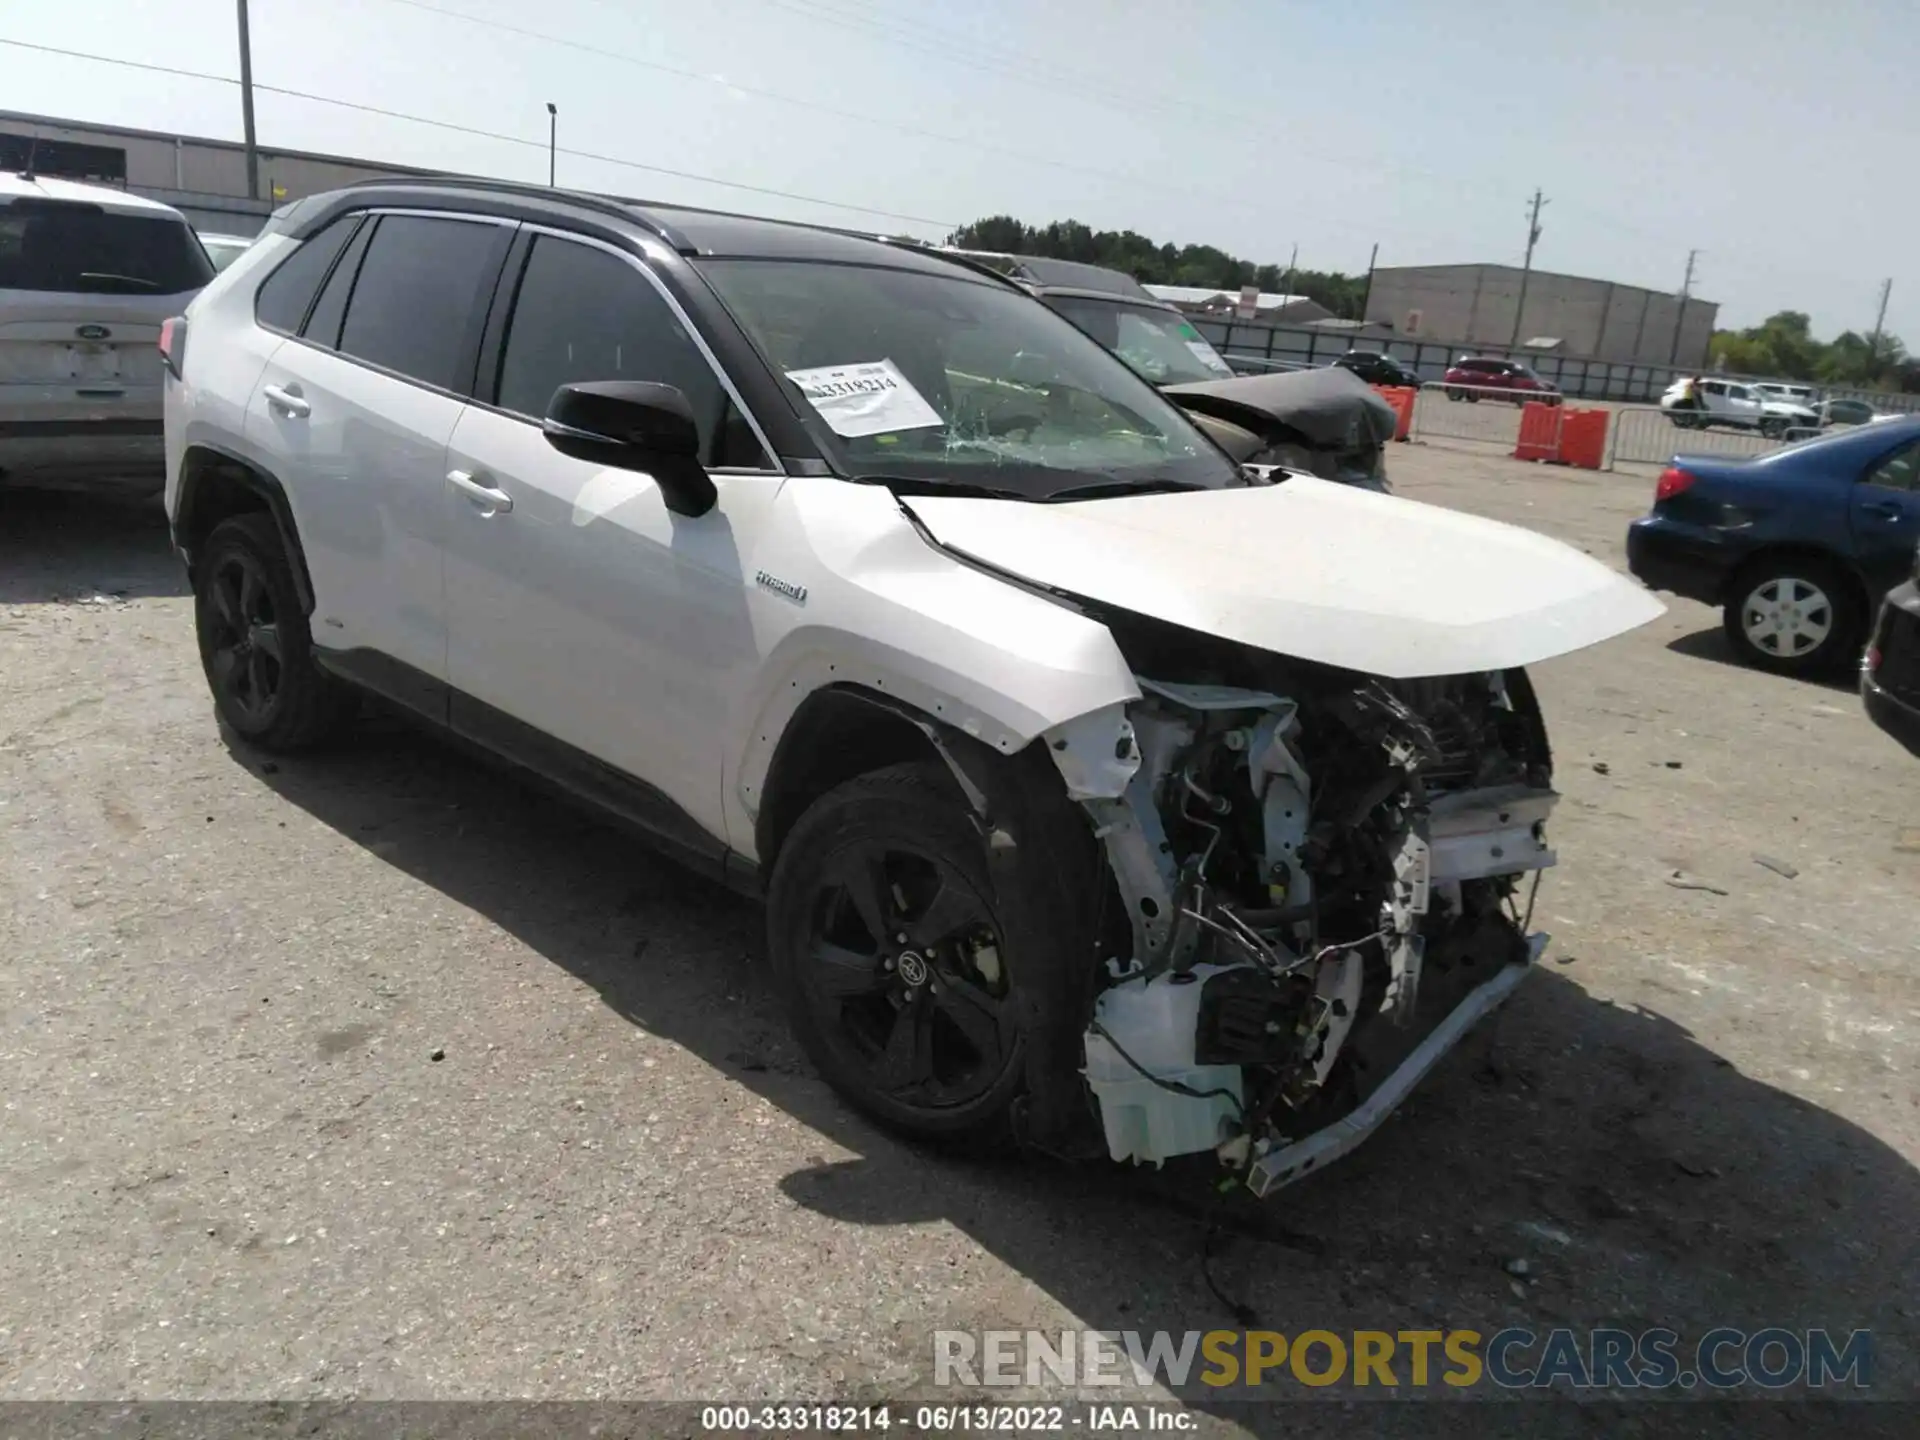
(482, 134)
(901, 33)
(1022, 156)
(956, 49)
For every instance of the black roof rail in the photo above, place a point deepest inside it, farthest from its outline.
(953, 257)
(642, 212)
(633, 210)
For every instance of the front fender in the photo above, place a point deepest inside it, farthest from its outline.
(848, 593)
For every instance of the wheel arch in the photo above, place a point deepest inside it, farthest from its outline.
(1043, 859)
(216, 485)
(1860, 593)
(839, 732)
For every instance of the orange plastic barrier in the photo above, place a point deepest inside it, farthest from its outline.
(1401, 398)
(1539, 432)
(1583, 439)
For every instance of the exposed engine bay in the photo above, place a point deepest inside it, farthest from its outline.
(1322, 879)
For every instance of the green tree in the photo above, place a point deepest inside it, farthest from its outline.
(1782, 346)
(1205, 266)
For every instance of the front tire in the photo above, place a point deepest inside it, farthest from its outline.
(895, 958)
(255, 646)
(1794, 616)
(1773, 429)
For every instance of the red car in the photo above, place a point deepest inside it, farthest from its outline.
(1477, 378)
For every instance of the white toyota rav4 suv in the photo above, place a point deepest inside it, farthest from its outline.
(1103, 795)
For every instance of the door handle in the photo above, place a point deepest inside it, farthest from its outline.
(1885, 509)
(287, 402)
(490, 500)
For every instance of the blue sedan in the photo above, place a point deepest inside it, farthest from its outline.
(1797, 547)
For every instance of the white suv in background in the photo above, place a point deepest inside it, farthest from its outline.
(87, 274)
(1738, 406)
(1803, 396)
(1100, 791)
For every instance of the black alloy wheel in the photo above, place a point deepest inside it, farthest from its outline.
(903, 970)
(255, 646)
(892, 956)
(246, 657)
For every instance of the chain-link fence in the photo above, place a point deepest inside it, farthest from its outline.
(1252, 347)
(1485, 415)
(1645, 435)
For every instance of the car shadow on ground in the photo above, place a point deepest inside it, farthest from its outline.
(1712, 644)
(63, 548)
(1641, 1178)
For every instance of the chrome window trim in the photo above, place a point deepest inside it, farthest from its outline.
(498, 221)
(686, 324)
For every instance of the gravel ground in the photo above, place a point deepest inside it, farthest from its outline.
(377, 1075)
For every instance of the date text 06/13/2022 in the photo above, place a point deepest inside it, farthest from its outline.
(943, 1419)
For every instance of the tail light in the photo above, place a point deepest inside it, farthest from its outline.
(1872, 662)
(173, 344)
(1673, 480)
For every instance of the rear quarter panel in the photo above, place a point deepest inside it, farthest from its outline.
(1785, 502)
(226, 354)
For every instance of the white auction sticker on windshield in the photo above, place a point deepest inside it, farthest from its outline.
(1205, 354)
(872, 398)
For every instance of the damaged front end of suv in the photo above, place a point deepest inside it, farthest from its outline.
(1324, 879)
(1322, 813)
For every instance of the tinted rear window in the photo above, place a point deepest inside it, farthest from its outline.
(60, 246)
(282, 302)
(420, 296)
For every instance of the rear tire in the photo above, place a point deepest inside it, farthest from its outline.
(1794, 615)
(255, 646)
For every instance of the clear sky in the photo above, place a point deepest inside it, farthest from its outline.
(1776, 136)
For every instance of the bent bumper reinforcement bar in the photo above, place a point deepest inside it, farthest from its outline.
(1278, 1168)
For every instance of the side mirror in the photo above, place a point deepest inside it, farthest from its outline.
(634, 425)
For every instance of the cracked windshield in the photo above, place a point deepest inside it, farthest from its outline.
(1158, 344)
(962, 382)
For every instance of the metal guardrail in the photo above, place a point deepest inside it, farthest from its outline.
(1486, 415)
(1647, 435)
(1619, 381)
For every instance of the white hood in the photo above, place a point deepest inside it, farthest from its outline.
(1311, 569)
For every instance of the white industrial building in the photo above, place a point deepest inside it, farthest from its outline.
(204, 179)
(1478, 305)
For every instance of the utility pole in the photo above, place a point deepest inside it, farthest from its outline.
(1366, 297)
(1680, 318)
(1526, 269)
(1286, 287)
(1880, 320)
(553, 142)
(246, 105)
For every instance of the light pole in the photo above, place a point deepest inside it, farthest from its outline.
(246, 105)
(553, 136)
